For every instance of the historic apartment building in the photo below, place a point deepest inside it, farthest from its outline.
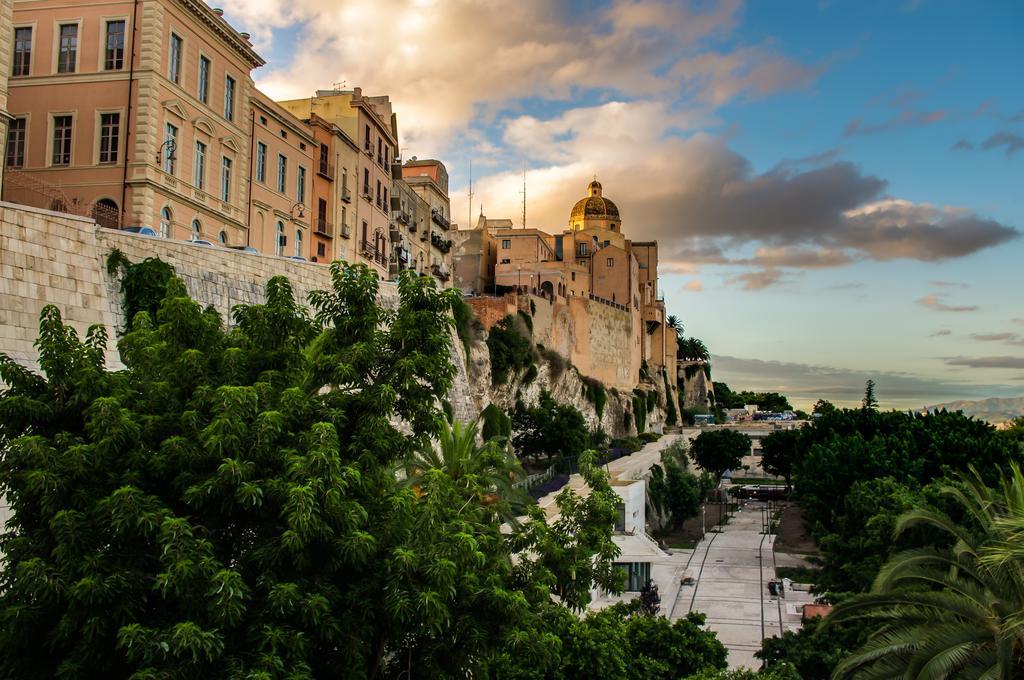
(145, 114)
(591, 260)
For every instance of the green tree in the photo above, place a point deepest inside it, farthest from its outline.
(226, 506)
(508, 343)
(489, 470)
(716, 451)
(779, 452)
(870, 403)
(813, 651)
(949, 612)
(548, 429)
(496, 424)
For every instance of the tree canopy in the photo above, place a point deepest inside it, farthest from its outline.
(227, 505)
(716, 451)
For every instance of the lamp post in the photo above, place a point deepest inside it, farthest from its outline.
(519, 287)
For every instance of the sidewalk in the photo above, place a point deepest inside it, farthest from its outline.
(731, 588)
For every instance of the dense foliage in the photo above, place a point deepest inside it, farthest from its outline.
(675, 493)
(227, 506)
(766, 401)
(779, 453)
(548, 429)
(508, 343)
(949, 612)
(715, 451)
(496, 424)
(856, 473)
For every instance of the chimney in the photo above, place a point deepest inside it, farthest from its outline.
(357, 93)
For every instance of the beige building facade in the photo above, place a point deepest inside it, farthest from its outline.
(6, 50)
(372, 125)
(135, 113)
(591, 260)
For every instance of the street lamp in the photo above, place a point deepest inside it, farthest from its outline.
(170, 146)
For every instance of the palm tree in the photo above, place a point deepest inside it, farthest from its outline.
(956, 612)
(487, 472)
(693, 349)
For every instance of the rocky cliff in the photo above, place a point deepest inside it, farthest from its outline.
(474, 390)
(697, 388)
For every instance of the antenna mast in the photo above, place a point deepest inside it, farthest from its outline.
(469, 222)
(524, 194)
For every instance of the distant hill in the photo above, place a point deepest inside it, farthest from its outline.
(994, 410)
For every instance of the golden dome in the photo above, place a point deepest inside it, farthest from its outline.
(594, 205)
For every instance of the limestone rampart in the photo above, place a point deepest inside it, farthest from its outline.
(60, 259)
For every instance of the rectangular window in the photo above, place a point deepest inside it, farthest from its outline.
(199, 169)
(113, 59)
(225, 179)
(583, 249)
(282, 173)
(174, 59)
(637, 574)
(377, 195)
(67, 57)
(261, 162)
(366, 181)
(229, 98)
(506, 243)
(367, 142)
(300, 192)
(323, 160)
(204, 80)
(16, 144)
(22, 51)
(110, 136)
(611, 262)
(170, 148)
(61, 140)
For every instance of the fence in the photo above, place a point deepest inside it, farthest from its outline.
(26, 189)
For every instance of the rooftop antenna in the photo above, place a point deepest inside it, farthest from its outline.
(523, 192)
(469, 222)
(340, 85)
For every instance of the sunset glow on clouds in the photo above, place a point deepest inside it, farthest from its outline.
(816, 164)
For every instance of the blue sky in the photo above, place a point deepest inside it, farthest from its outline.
(835, 185)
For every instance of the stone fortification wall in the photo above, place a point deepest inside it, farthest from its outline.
(598, 339)
(54, 258)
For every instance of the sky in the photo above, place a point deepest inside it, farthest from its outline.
(835, 185)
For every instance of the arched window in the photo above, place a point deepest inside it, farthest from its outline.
(223, 236)
(165, 222)
(279, 248)
(298, 243)
(106, 214)
(197, 230)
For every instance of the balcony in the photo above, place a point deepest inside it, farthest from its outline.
(441, 244)
(367, 249)
(346, 195)
(394, 232)
(440, 219)
(403, 217)
(326, 170)
(368, 194)
(368, 149)
(346, 231)
(324, 228)
(440, 271)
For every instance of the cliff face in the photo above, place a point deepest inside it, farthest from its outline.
(474, 390)
(698, 391)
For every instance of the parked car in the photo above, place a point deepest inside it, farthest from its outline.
(245, 249)
(300, 258)
(141, 231)
(200, 242)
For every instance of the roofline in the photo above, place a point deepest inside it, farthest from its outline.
(265, 103)
(219, 25)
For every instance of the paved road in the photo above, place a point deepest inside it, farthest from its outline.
(731, 588)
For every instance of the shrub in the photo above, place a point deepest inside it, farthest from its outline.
(143, 284)
(631, 444)
(627, 420)
(671, 417)
(640, 410)
(509, 350)
(530, 375)
(648, 437)
(652, 400)
(548, 429)
(466, 323)
(527, 320)
(496, 424)
(556, 361)
(595, 393)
